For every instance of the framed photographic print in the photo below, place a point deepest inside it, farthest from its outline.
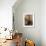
(28, 19)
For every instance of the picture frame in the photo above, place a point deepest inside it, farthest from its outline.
(28, 19)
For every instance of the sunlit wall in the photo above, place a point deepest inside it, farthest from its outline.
(6, 13)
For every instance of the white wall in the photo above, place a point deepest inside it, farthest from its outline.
(6, 13)
(38, 33)
(43, 22)
(6, 19)
(29, 32)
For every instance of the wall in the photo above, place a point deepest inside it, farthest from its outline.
(43, 22)
(6, 19)
(6, 13)
(32, 33)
